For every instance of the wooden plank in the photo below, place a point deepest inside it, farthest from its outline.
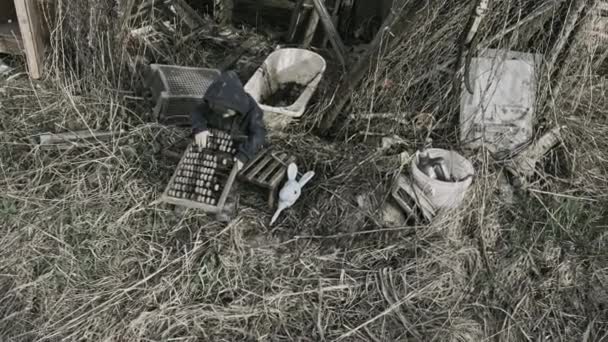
(57, 138)
(190, 204)
(10, 38)
(332, 33)
(251, 175)
(334, 18)
(30, 24)
(313, 22)
(227, 188)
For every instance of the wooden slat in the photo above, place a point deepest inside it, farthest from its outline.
(191, 204)
(253, 162)
(313, 22)
(227, 188)
(274, 182)
(30, 24)
(272, 168)
(260, 165)
(334, 19)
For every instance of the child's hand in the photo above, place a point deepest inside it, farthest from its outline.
(201, 139)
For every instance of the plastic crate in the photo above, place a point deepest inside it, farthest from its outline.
(177, 90)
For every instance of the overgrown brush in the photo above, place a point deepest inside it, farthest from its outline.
(86, 255)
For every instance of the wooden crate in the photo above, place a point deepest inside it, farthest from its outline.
(267, 170)
(21, 29)
(204, 178)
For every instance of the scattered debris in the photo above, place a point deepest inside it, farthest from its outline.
(524, 164)
(292, 189)
(389, 142)
(499, 114)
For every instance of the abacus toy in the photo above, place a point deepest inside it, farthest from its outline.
(204, 177)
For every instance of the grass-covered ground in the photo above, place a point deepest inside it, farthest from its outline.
(86, 255)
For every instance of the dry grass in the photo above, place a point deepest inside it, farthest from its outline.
(85, 256)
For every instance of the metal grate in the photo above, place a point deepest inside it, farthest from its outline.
(177, 90)
(187, 81)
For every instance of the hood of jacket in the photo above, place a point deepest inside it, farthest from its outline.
(227, 91)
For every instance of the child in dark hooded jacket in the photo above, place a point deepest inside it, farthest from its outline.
(226, 106)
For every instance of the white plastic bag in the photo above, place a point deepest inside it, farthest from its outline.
(500, 112)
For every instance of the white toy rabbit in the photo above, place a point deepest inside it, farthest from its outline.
(292, 189)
